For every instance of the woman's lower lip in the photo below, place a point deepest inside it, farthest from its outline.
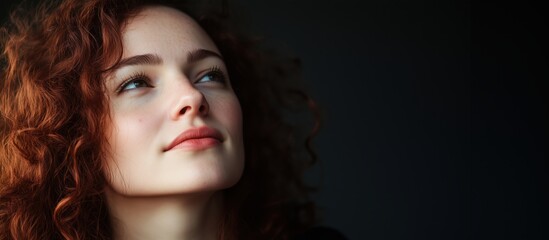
(197, 144)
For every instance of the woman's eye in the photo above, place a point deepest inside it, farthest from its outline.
(213, 75)
(134, 83)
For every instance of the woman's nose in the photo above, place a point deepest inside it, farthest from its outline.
(190, 103)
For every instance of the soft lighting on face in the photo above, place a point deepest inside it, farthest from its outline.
(176, 121)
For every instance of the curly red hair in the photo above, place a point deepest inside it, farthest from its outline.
(53, 116)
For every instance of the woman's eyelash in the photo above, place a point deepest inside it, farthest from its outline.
(216, 73)
(132, 79)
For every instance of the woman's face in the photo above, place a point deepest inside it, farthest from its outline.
(176, 121)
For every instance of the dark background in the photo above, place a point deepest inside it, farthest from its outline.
(393, 79)
(434, 113)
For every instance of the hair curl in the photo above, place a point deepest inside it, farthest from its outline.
(53, 116)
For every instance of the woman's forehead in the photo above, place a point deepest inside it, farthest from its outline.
(164, 31)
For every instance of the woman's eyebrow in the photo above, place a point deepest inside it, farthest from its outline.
(145, 59)
(199, 54)
(153, 59)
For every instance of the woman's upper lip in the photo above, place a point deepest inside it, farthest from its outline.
(195, 133)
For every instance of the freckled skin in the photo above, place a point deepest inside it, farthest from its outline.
(147, 119)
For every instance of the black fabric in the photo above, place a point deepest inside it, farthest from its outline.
(320, 233)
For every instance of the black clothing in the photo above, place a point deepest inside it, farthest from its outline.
(320, 233)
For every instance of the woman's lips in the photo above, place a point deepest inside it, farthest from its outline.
(196, 139)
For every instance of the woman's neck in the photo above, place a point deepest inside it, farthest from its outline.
(178, 217)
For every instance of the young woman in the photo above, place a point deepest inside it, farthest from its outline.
(146, 120)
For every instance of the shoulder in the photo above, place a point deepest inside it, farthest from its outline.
(320, 233)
